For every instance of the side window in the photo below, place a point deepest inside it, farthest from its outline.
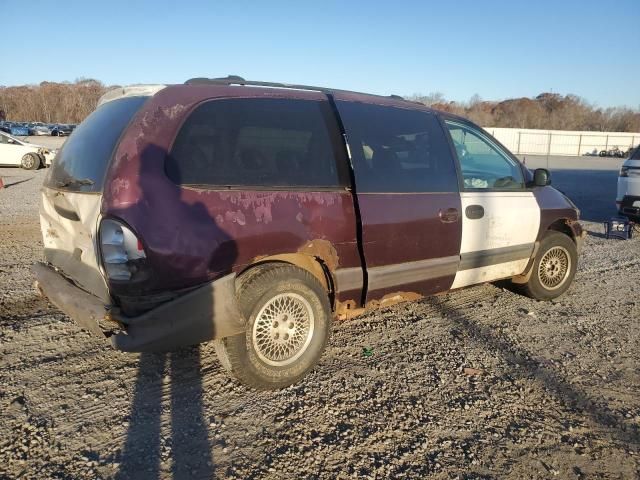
(482, 164)
(259, 142)
(7, 140)
(397, 150)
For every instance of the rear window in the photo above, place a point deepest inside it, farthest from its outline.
(259, 142)
(81, 164)
(636, 154)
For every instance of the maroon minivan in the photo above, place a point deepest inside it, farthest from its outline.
(252, 213)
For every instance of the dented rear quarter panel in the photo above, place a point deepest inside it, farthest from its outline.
(194, 235)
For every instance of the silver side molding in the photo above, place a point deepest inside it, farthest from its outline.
(411, 272)
(495, 256)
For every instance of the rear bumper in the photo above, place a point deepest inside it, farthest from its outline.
(85, 309)
(630, 207)
(206, 313)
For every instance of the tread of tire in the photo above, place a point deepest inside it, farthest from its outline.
(526, 288)
(247, 294)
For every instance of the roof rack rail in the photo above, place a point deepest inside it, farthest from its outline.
(238, 80)
(228, 80)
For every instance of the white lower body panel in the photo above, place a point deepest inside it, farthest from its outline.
(489, 273)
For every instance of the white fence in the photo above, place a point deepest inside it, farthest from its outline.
(562, 142)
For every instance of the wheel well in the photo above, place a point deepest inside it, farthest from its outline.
(562, 226)
(306, 262)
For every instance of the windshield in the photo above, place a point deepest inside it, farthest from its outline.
(19, 142)
(636, 154)
(81, 164)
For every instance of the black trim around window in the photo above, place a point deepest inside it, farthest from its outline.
(334, 142)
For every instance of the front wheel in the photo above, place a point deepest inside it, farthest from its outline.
(288, 325)
(554, 267)
(30, 161)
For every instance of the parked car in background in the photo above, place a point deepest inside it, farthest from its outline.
(15, 129)
(253, 215)
(614, 152)
(61, 130)
(628, 197)
(39, 130)
(15, 152)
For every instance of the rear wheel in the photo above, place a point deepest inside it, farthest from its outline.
(30, 161)
(554, 267)
(288, 324)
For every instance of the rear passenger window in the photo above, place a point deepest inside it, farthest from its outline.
(259, 142)
(397, 150)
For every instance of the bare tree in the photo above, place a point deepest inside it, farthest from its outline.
(51, 102)
(428, 100)
(71, 102)
(546, 111)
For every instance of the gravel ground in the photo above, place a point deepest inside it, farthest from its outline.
(479, 383)
(45, 141)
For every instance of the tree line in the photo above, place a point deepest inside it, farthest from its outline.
(71, 102)
(547, 111)
(51, 102)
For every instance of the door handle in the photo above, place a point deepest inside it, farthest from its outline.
(449, 215)
(474, 212)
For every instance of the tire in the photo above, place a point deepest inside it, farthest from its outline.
(554, 267)
(277, 350)
(30, 161)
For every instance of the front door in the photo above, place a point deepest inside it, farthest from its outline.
(500, 217)
(407, 192)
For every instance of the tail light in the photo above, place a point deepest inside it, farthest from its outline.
(122, 252)
(624, 171)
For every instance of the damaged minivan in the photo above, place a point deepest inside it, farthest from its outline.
(253, 213)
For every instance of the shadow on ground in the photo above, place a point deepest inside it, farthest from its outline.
(8, 185)
(571, 397)
(188, 447)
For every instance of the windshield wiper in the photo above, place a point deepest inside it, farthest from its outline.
(75, 181)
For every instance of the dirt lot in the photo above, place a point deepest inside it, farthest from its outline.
(45, 141)
(479, 383)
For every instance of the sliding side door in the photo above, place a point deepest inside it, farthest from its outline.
(407, 191)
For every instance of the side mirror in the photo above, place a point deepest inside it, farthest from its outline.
(541, 177)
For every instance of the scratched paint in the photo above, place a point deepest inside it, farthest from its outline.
(195, 235)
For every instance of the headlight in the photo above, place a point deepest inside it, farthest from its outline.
(624, 171)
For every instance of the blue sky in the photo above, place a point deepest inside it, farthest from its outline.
(497, 49)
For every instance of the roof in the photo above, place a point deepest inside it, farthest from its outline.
(234, 80)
